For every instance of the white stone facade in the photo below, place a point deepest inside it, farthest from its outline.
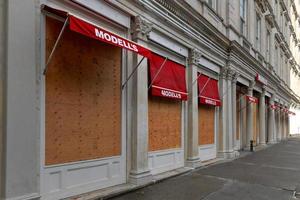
(211, 37)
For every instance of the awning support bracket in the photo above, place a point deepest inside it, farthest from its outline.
(55, 45)
(152, 81)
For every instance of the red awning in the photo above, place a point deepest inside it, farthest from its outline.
(208, 91)
(90, 30)
(273, 106)
(167, 78)
(251, 99)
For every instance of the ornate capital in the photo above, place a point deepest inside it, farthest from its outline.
(194, 57)
(230, 74)
(251, 85)
(223, 72)
(141, 28)
(264, 88)
(235, 77)
(272, 99)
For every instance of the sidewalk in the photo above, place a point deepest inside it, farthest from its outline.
(269, 174)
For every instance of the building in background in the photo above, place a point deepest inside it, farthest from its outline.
(98, 94)
(294, 70)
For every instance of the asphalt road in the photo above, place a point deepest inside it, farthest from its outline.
(269, 174)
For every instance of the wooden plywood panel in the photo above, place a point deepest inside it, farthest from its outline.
(206, 117)
(164, 123)
(82, 98)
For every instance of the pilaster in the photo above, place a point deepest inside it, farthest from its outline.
(279, 129)
(192, 148)
(271, 122)
(139, 169)
(288, 125)
(234, 111)
(249, 124)
(225, 140)
(262, 118)
(284, 124)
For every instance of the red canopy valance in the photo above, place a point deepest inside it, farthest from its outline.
(251, 99)
(93, 31)
(167, 78)
(208, 91)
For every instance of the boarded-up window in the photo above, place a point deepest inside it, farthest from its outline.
(82, 98)
(206, 117)
(164, 123)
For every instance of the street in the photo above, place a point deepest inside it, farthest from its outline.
(269, 174)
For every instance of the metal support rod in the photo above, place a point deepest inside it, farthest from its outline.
(204, 86)
(157, 73)
(196, 78)
(134, 70)
(55, 45)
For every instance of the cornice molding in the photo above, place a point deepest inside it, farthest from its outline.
(195, 24)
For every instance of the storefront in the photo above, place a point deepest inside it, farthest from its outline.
(256, 121)
(83, 135)
(167, 94)
(209, 99)
(241, 115)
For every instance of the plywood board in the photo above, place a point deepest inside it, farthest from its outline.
(206, 117)
(82, 98)
(164, 123)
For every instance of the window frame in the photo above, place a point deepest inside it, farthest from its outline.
(243, 17)
(258, 31)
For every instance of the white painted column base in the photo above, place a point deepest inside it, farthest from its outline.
(193, 163)
(140, 178)
(227, 154)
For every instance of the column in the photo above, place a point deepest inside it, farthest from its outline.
(193, 159)
(139, 169)
(288, 125)
(234, 110)
(249, 124)
(225, 147)
(262, 118)
(279, 131)
(271, 122)
(230, 74)
(283, 123)
(20, 103)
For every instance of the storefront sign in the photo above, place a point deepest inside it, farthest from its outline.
(208, 91)
(261, 79)
(273, 107)
(98, 33)
(167, 78)
(251, 99)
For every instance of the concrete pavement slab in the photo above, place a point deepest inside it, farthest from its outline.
(269, 174)
(235, 190)
(187, 187)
